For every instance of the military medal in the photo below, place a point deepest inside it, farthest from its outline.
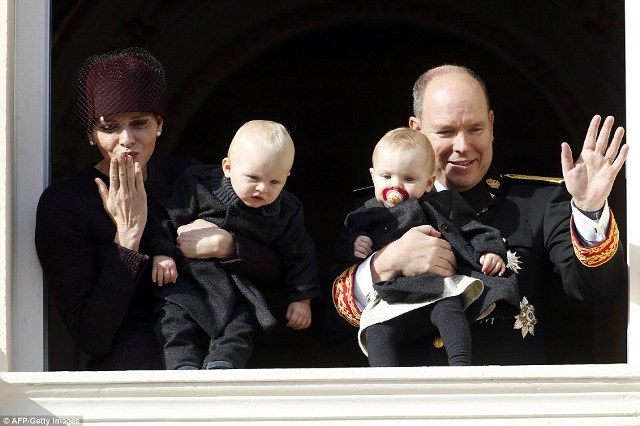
(526, 319)
(492, 183)
(513, 261)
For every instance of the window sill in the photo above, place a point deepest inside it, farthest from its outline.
(584, 394)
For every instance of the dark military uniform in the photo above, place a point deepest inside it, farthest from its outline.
(534, 218)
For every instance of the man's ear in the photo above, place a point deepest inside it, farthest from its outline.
(226, 166)
(491, 118)
(414, 124)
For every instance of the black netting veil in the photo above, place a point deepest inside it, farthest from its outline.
(125, 80)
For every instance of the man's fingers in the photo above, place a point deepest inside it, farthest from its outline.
(566, 158)
(603, 136)
(428, 230)
(590, 139)
(614, 152)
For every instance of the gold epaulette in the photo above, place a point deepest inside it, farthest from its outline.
(343, 298)
(546, 179)
(600, 253)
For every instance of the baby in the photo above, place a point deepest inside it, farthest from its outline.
(403, 175)
(244, 196)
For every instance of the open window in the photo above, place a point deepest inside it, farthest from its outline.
(606, 392)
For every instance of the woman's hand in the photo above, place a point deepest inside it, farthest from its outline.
(203, 240)
(125, 201)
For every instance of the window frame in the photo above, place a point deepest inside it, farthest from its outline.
(550, 392)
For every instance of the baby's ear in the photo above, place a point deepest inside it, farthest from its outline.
(226, 166)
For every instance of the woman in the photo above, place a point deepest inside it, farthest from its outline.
(89, 228)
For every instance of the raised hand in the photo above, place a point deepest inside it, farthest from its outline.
(125, 201)
(590, 178)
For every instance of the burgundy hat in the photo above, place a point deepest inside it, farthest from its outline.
(128, 80)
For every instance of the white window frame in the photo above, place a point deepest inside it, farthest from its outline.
(549, 394)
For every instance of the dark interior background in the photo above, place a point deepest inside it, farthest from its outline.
(339, 75)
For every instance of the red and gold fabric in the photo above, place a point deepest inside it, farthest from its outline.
(601, 253)
(343, 298)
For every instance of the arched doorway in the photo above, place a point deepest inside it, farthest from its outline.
(338, 78)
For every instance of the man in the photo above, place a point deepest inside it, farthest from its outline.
(555, 234)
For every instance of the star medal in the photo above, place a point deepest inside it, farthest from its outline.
(513, 261)
(526, 319)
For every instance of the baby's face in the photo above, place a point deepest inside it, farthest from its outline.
(408, 170)
(257, 176)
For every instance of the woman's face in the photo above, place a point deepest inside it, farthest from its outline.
(126, 134)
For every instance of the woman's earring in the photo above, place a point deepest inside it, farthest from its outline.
(159, 132)
(92, 143)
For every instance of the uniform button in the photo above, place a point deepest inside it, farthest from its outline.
(438, 342)
(385, 230)
(444, 227)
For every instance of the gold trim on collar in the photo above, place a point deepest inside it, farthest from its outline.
(557, 181)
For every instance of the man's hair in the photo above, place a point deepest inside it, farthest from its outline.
(423, 81)
(268, 135)
(405, 139)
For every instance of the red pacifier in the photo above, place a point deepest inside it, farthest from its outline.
(393, 196)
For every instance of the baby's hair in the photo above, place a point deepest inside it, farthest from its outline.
(405, 139)
(268, 135)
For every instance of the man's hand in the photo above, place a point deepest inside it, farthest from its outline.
(419, 251)
(203, 240)
(590, 178)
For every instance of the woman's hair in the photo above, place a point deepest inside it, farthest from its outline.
(405, 139)
(124, 80)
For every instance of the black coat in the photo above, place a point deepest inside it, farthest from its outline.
(447, 212)
(208, 293)
(534, 218)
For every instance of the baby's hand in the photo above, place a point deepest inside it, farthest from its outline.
(362, 246)
(164, 270)
(492, 264)
(299, 315)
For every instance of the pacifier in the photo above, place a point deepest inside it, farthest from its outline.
(393, 196)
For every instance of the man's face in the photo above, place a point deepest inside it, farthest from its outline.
(459, 124)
